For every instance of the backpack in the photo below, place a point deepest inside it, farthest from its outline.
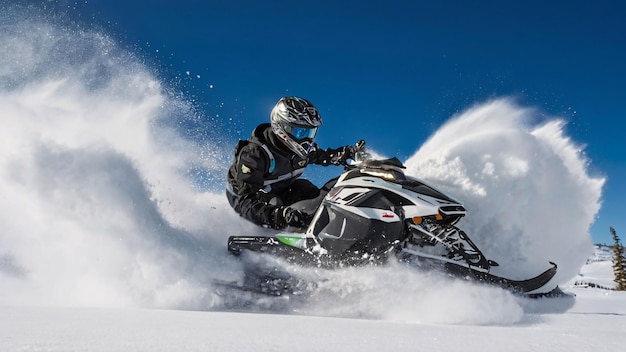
(270, 156)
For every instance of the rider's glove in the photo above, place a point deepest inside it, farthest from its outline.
(340, 155)
(287, 216)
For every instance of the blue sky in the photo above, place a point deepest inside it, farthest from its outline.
(393, 71)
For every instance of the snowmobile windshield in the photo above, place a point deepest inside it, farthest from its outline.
(391, 171)
(387, 169)
(390, 175)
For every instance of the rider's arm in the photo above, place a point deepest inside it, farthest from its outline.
(330, 156)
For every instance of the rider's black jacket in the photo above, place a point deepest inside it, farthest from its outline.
(263, 171)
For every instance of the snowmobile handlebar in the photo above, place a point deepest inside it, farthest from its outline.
(359, 154)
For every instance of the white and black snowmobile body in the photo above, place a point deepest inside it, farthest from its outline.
(373, 211)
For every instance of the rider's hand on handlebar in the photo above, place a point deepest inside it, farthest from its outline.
(341, 155)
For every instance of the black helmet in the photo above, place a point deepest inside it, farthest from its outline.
(295, 121)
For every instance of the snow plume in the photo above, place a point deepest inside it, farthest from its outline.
(529, 197)
(97, 206)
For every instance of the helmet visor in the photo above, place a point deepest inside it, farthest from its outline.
(299, 132)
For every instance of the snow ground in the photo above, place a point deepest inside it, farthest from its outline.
(596, 320)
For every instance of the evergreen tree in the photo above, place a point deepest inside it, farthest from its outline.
(619, 262)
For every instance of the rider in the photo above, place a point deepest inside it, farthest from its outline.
(263, 182)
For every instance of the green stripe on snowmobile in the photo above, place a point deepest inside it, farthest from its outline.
(293, 241)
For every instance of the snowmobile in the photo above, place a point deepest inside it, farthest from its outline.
(369, 213)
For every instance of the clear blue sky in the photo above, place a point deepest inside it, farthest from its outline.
(394, 71)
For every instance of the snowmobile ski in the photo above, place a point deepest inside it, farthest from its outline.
(480, 274)
(521, 286)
